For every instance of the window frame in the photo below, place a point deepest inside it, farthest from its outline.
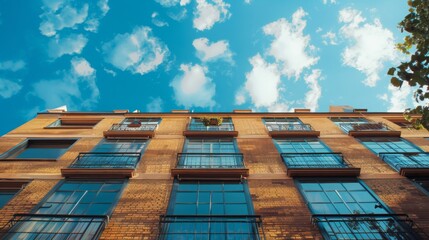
(402, 140)
(92, 123)
(329, 150)
(15, 151)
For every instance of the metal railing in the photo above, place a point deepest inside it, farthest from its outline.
(211, 227)
(51, 226)
(406, 159)
(106, 160)
(131, 127)
(367, 226)
(210, 160)
(315, 160)
(366, 126)
(227, 127)
(272, 127)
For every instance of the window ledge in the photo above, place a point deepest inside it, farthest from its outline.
(97, 173)
(128, 134)
(323, 172)
(414, 172)
(375, 133)
(275, 134)
(191, 133)
(210, 174)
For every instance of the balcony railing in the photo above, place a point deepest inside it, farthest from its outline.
(210, 160)
(201, 127)
(288, 127)
(406, 159)
(211, 227)
(47, 226)
(106, 160)
(315, 160)
(367, 226)
(133, 127)
(367, 126)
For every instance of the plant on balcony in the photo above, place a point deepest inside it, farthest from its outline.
(211, 121)
(135, 123)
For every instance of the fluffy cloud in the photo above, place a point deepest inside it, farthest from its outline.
(399, 98)
(290, 47)
(61, 14)
(72, 44)
(155, 105)
(331, 1)
(12, 65)
(262, 82)
(137, 52)
(211, 52)
(193, 87)
(315, 92)
(76, 87)
(207, 14)
(329, 38)
(8, 88)
(171, 3)
(157, 21)
(371, 45)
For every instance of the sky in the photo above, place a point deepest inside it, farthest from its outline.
(200, 55)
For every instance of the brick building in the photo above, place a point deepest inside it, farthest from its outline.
(343, 174)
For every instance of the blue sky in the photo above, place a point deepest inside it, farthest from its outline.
(202, 55)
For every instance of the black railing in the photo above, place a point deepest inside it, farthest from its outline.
(406, 159)
(211, 227)
(133, 127)
(367, 226)
(106, 160)
(227, 127)
(51, 226)
(315, 160)
(366, 126)
(272, 127)
(210, 160)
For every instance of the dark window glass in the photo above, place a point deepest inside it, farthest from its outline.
(41, 149)
(6, 196)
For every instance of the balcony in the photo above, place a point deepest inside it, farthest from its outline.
(211, 227)
(197, 129)
(210, 166)
(367, 226)
(46, 226)
(408, 164)
(138, 130)
(102, 165)
(368, 129)
(291, 130)
(318, 165)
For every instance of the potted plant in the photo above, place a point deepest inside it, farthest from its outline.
(211, 121)
(135, 123)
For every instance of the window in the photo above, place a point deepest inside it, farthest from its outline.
(210, 153)
(308, 153)
(6, 196)
(137, 124)
(74, 210)
(197, 124)
(210, 210)
(74, 123)
(120, 153)
(38, 149)
(348, 124)
(397, 152)
(423, 184)
(285, 124)
(346, 209)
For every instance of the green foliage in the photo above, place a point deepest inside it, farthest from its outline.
(416, 70)
(211, 121)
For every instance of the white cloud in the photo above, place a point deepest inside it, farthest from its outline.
(59, 17)
(290, 46)
(383, 97)
(399, 98)
(171, 3)
(331, 1)
(13, 66)
(72, 44)
(109, 71)
(82, 67)
(193, 87)
(240, 96)
(280, 107)
(207, 14)
(179, 15)
(8, 88)
(313, 95)
(329, 38)
(371, 45)
(155, 105)
(138, 52)
(262, 82)
(70, 14)
(207, 52)
(158, 22)
(247, 1)
(75, 88)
